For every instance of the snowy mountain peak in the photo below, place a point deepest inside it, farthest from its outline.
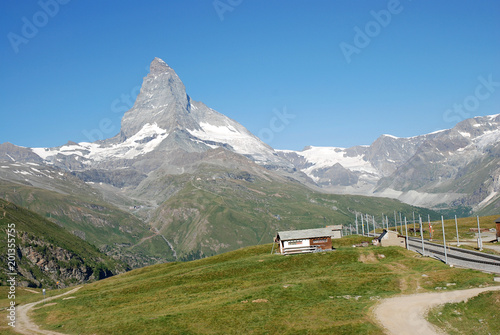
(162, 99)
(158, 66)
(164, 119)
(390, 136)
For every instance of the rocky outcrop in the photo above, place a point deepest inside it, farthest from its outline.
(41, 263)
(117, 178)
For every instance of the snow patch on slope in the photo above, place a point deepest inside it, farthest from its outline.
(417, 198)
(489, 137)
(146, 140)
(242, 142)
(485, 201)
(324, 157)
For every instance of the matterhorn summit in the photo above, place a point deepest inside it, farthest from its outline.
(162, 100)
(163, 119)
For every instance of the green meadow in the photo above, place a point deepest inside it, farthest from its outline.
(251, 291)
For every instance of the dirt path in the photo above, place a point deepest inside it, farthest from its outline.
(32, 291)
(25, 325)
(405, 315)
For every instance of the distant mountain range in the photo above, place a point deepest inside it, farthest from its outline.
(181, 181)
(448, 168)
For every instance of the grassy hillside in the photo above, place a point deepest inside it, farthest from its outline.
(251, 291)
(478, 315)
(113, 231)
(464, 225)
(216, 211)
(47, 253)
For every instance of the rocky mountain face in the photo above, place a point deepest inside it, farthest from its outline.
(449, 168)
(47, 254)
(54, 264)
(358, 169)
(462, 165)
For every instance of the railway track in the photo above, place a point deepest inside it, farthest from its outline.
(456, 256)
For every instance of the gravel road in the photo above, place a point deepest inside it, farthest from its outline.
(25, 325)
(405, 315)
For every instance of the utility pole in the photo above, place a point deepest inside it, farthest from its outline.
(479, 241)
(357, 231)
(362, 225)
(456, 227)
(414, 231)
(395, 222)
(401, 223)
(406, 229)
(421, 234)
(444, 242)
(367, 225)
(430, 227)
(374, 228)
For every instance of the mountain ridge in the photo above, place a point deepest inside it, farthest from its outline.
(164, 121)
(388, 166)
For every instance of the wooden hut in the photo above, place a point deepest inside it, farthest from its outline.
(390, 238)
(307, 240)
(497, 221)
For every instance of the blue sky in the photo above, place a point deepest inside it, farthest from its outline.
(348, 71)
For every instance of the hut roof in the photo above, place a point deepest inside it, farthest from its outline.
(382, 235)
(307, 233)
